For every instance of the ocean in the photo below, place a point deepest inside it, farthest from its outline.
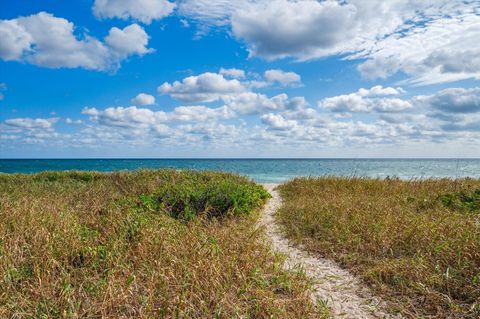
(266, 170)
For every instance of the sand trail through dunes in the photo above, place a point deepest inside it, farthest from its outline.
(344, 294)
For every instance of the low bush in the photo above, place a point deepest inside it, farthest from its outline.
(462, 201)
(213, 197)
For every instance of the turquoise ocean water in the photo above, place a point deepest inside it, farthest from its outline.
(265, 170)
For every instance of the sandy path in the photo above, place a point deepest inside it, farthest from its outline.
(345, 296)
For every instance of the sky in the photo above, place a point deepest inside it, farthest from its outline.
(243, 78)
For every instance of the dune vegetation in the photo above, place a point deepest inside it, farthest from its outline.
(146, 244)
(417, 243)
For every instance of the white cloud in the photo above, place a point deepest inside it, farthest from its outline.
(143, 99)
(45, 40)
(141, 10)
(249, 103)
(379, 90)
(200, 113)
(346, 103)
(134, 125)
(233, 73)
(235, 106)
(390, 105)
(303, 29)
(211, 132)
(465, 125)
(29, 123)
(282, 77)
(367, 100)
(206, 87)
(210, 12)
(30, 131)
(15, 40)
(75, 122)
(131, 40)
(277, 122)
(236, 95)
(453, 100)
(128, 117)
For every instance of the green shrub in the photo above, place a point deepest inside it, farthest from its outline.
(214, 197)
(462, 201)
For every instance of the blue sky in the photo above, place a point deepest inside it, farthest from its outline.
(246, 78)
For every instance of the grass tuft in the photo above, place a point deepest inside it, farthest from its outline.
(415, 242)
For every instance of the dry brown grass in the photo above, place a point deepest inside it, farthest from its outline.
(82, 245)
(415, 242)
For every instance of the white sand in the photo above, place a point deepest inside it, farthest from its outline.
(344, 294)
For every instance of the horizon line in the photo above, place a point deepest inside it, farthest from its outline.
(240, 158)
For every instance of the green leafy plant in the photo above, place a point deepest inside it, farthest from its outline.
(214, 197)
(462, 201)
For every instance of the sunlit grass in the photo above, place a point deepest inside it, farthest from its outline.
(415, 242)
(149, 244)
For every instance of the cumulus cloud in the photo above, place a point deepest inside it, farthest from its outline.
(141, 125)
(29, 123)
(30, 130)
(209, 13)
(200, 113)
(131, 117)
(303, 29)
(74, 122)
(15, 40)
(233, 73)
(141, 10)
(220, 134)
(453, 100)
(206, 87)
(367, 100)
(45, 40)
(468, 125)
(277, 122)
(281, 77)
(249, 103)
(130, 40)
(143, 99)
(379, 90)
(235, 92)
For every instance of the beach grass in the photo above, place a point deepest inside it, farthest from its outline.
(146, 244)
(416, 243)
